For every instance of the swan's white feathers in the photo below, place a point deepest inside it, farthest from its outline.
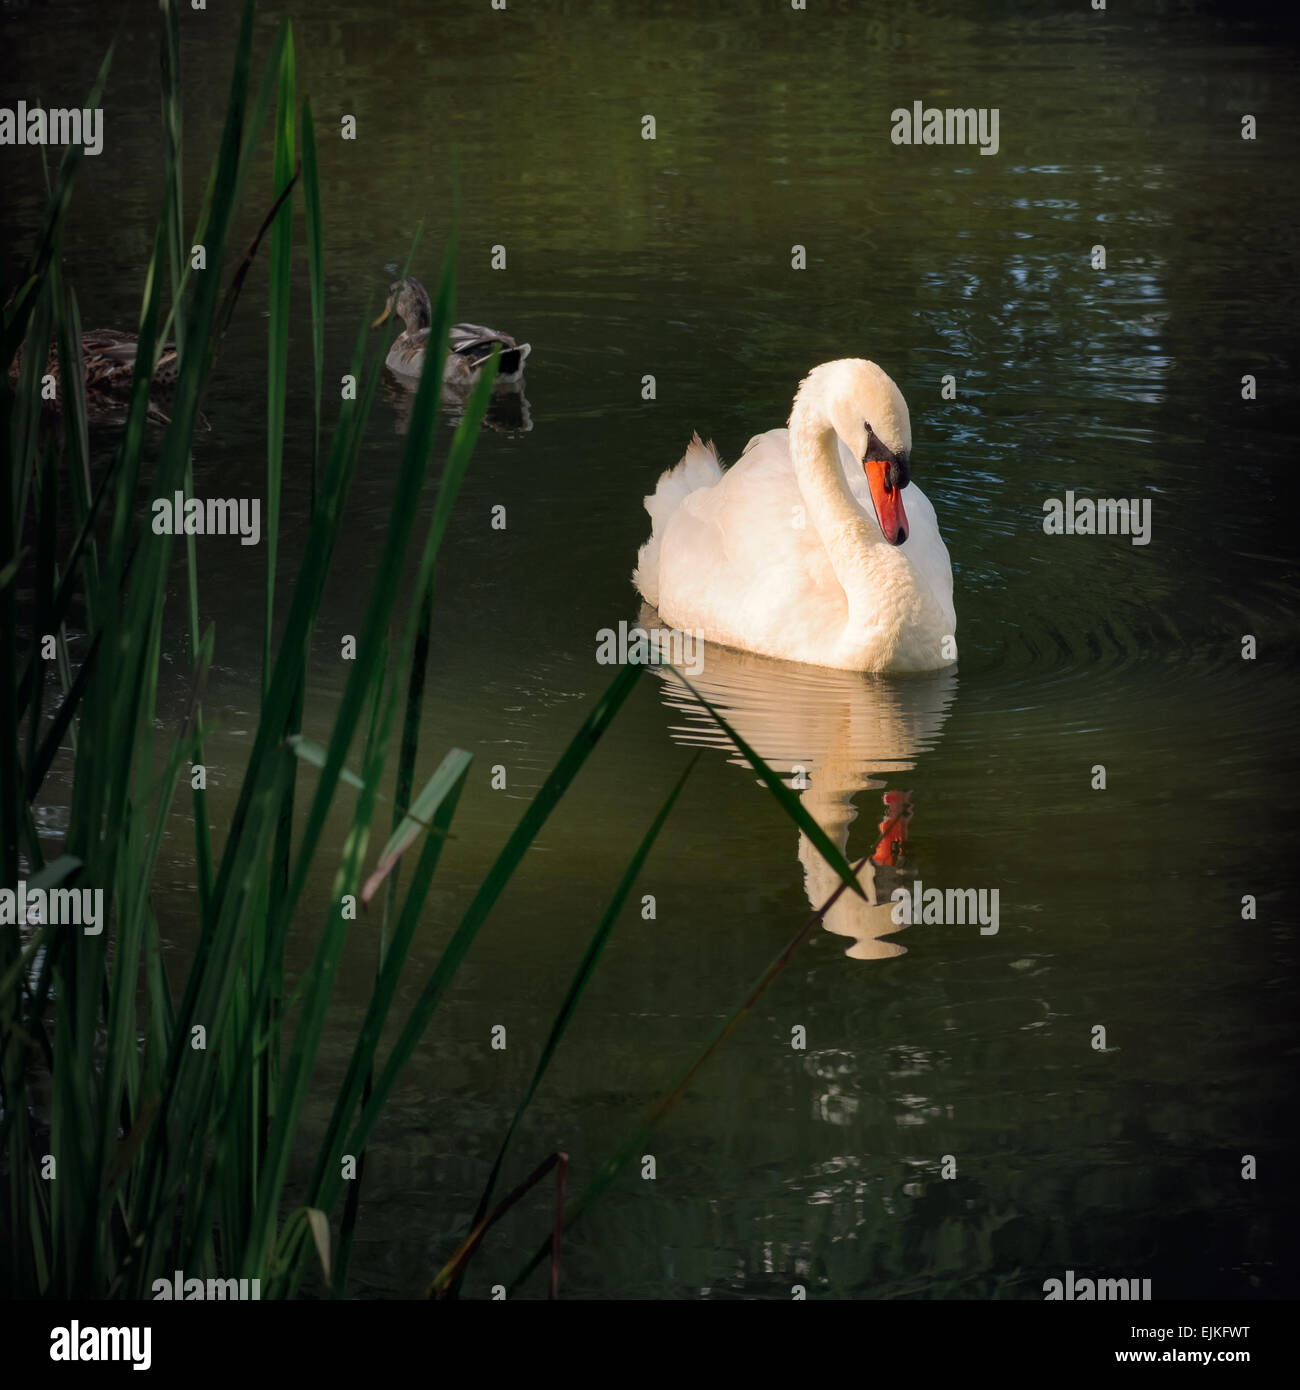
(699, 467)
(740, 538)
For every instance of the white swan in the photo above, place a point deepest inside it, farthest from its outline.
(813, 547)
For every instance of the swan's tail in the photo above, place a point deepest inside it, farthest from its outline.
(699, 467)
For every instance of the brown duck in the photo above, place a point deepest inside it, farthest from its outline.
(108, 356)
(469, 346)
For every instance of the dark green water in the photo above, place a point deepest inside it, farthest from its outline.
(1118, 907)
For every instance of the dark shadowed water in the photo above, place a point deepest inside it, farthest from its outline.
(952, 1128)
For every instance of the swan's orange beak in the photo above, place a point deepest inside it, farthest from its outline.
(893, 829)
(888, 502)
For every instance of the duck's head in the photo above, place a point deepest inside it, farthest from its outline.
(869, 414)
(408, 301)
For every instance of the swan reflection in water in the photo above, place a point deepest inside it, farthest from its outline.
(828, 734)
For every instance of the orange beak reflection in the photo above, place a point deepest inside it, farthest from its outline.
(888, 502)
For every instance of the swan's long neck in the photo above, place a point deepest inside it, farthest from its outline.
(845, 532)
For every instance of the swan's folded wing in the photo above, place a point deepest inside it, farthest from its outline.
(740, 558)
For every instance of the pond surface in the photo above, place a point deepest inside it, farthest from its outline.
(1118, 908)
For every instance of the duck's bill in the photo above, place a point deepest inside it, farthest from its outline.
(888, 502)
(383, 318)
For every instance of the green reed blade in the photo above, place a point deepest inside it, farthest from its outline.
(413, 824)
(277, 365)
(315, 278)
(69, 705)
(173, 147)
(415, 646)
(314, 754)
(72, 389)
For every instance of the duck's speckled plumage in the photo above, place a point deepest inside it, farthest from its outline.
(108, 357)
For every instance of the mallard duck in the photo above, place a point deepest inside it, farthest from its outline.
(469, 347)
(108, 356)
